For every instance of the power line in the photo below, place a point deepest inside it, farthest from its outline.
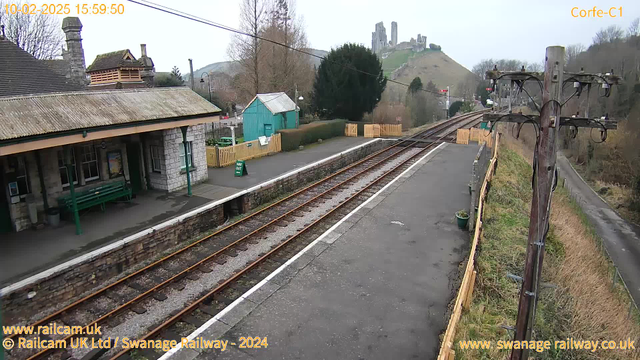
(188, 16)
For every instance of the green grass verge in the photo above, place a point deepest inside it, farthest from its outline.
(502, 251)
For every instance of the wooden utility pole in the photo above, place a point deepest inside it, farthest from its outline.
(548, 124)
(543, 182)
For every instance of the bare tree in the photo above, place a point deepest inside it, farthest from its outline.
(287, 67)
(38, 34)
(611, 34)
(482, 67)
(246, 49)
(634, 28)
(534, 67)
(572, 52)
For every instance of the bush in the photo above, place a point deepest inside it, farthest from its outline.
(310, 133)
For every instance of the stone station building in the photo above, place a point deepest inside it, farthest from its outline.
(133, 136)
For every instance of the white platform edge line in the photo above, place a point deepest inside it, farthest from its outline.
(257, 286)
(121, 243)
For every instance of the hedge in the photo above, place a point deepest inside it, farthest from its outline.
(310, 133)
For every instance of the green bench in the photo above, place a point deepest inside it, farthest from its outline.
(96, 196)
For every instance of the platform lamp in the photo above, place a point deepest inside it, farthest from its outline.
(297, 97)
(208, 83)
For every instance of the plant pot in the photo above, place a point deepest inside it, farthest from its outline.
(462, 221)
(53, 217)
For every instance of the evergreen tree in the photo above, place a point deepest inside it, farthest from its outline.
(349, 83)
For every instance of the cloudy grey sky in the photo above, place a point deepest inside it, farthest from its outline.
(468, 30)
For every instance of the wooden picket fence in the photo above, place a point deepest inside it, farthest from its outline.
(465, 293)
(224, 156)
(351, 130)
(371, 130)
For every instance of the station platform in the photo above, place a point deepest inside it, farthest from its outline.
(374, 286)
(31, 251)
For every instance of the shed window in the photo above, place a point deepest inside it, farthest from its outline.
(157, 158)
(189, 155)
(90, 163)
(64, 177)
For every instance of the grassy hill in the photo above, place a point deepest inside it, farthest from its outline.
(429, 65)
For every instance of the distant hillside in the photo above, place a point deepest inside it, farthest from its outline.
(429, 65)
(232, 68)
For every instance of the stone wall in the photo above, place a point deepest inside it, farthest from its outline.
(74, 281)
(176, 176)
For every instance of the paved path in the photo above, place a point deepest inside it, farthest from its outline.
(621, 238)
(377, 287)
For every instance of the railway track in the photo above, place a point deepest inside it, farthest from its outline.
(180, 283)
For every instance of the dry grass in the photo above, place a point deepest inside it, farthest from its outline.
(600, 310)
(585, 304)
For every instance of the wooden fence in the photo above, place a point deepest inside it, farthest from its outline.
(479, 135)
(224, 156)
(390, 130)
(371, 130)
(351, 130)
(462, 136)
(463, 299)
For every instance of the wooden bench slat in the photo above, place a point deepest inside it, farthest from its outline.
(96, 196)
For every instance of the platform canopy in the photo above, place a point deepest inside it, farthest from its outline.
(45, 120)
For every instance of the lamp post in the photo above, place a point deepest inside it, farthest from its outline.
(208, 83)
(298, 97)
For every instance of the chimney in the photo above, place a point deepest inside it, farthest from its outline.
(74, 54)
(149, 70)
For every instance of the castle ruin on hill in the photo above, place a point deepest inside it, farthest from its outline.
(379, 42)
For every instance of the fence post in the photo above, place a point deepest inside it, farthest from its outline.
(217, 156)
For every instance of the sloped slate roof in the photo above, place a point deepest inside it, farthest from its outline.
(276, 102)
(113, 60)
(21, 73)
(59, 66)
(25, 116)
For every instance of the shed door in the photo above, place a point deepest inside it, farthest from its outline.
(268, 129)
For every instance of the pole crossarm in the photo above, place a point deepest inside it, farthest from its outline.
(586, 78)
(608, 124)
(512, 75)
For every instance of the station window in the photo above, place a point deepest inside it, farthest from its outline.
(90, 163)
(20, 183)
(189, 155)
(157, 158)
(64, 178)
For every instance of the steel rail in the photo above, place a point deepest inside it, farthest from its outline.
(234, 224)
(181, 274)
(429, 131)
(196, 303)
(199, 263)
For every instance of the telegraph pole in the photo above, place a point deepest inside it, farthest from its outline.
(548, 124)
(543, 183)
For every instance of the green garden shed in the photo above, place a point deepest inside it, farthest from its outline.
(268, 113)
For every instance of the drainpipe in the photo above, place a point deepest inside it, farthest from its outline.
(186, 158)
(42, 186)
(74, 204)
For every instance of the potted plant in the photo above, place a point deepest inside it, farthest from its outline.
(463, 217)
